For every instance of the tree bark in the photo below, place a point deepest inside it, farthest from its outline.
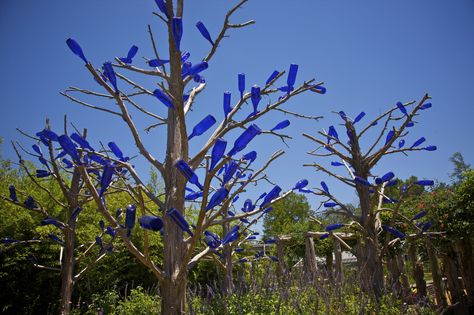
(68, 260)
(174, 289)
(173, 297)
(370, 267)
(67, 271)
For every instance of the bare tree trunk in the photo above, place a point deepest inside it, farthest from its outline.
(418, 272)
(368, 252)
(370, 268)
(338, 274)
(67, 271)
(68, 261)
(437, 284)
(173, 297)
(174, 289)
(311, 266)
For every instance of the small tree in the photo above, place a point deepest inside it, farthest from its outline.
(62, 209)
(359, 164)
(218, 191)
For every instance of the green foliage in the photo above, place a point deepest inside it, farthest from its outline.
(460, 167)
(304, 301)
(290, 216)
(462, 218)
(137, 303)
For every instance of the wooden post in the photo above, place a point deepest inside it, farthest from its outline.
(338, 272)
(452, 274)
(417, 271)
(464, 249)
(311, 266)
(403, 276)
(437, 284)
(280, 253)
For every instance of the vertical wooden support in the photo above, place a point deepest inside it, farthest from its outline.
(437, 283)
(311, 266)
(417, 271)
(280, 253)
(406, 291)
(464, 249)
(452, 274)
(338, 272)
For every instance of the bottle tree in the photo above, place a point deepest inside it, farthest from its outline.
(59, 178)
(359, 156)
(178, 84)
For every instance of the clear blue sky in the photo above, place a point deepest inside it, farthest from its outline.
(370, 54)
